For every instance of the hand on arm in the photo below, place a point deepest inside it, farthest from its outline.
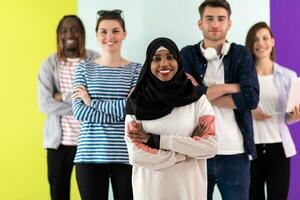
(259, 115)
(80, 92)
(192, 79)
(224, 102)
(58, 96)
(204, 129)
(142, 155)
(136, 132)
(219, 90)
(294, 116)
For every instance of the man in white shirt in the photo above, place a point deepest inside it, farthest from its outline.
(227, 76)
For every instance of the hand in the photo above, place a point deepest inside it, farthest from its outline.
(294, 116)
(58, 96)
(225, 101)
(259, 115)
(205, 128)
(136, 132)
(192, 79)
(81, 93)
(200, 129)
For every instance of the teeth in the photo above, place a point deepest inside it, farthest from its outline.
(70, 41)
(164, 71)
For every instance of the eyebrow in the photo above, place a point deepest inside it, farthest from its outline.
(212, 16)
(115, 28)
(158, 54)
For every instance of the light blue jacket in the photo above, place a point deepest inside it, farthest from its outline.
(283, 79)
(48, 83)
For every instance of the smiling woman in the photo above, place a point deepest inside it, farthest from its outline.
(274, 144)
(164, 66)
(170, 129)
(101, 89)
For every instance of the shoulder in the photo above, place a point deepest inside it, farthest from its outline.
(202, 101)
(134, 67)
(284, 71)
(50, 62)
(200, 107)
(189, 49)
(240, 54)
(91, 55)
(85, 64)
(238, 49)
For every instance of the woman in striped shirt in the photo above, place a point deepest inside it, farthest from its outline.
(100, 92)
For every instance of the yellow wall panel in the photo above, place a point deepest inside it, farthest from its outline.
(27, 37)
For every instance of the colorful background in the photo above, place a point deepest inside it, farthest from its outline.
(286, 27)
(27, 37)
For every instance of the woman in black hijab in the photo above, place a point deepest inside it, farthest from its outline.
(170, 130)
(154, 98)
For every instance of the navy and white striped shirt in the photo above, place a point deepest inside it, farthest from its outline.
(101, 138)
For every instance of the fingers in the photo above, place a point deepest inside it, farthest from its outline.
(80, 87)
(137, 136)
(79, 92)
(192, 79)
(136, 125)
(296, 110)
(75, 96)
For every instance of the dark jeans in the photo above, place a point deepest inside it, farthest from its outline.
(271, 168)
(93, 181)
(60, 164)
(231, 173)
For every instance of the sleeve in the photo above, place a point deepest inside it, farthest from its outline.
(114, 108)
(248, 97)
(80, 110)
(290, 75)
(46, 88)
(195, 147)
(143, 156)
(135, 74)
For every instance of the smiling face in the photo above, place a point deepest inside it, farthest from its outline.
(214, 24)
(164, 66)
(110, 35)
(69, 34)
(263, 44)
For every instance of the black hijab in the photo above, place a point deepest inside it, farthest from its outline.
(153, 98)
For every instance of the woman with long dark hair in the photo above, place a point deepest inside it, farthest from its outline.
(273, 141)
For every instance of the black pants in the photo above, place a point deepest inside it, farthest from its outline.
(93, 181)
(271, 168)
(60, 165)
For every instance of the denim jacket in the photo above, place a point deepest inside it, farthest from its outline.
(48, 83)
(238, 68)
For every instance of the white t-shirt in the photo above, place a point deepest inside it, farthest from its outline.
(230, 139)
(267, 131)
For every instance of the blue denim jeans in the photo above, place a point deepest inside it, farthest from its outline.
(231, 173)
